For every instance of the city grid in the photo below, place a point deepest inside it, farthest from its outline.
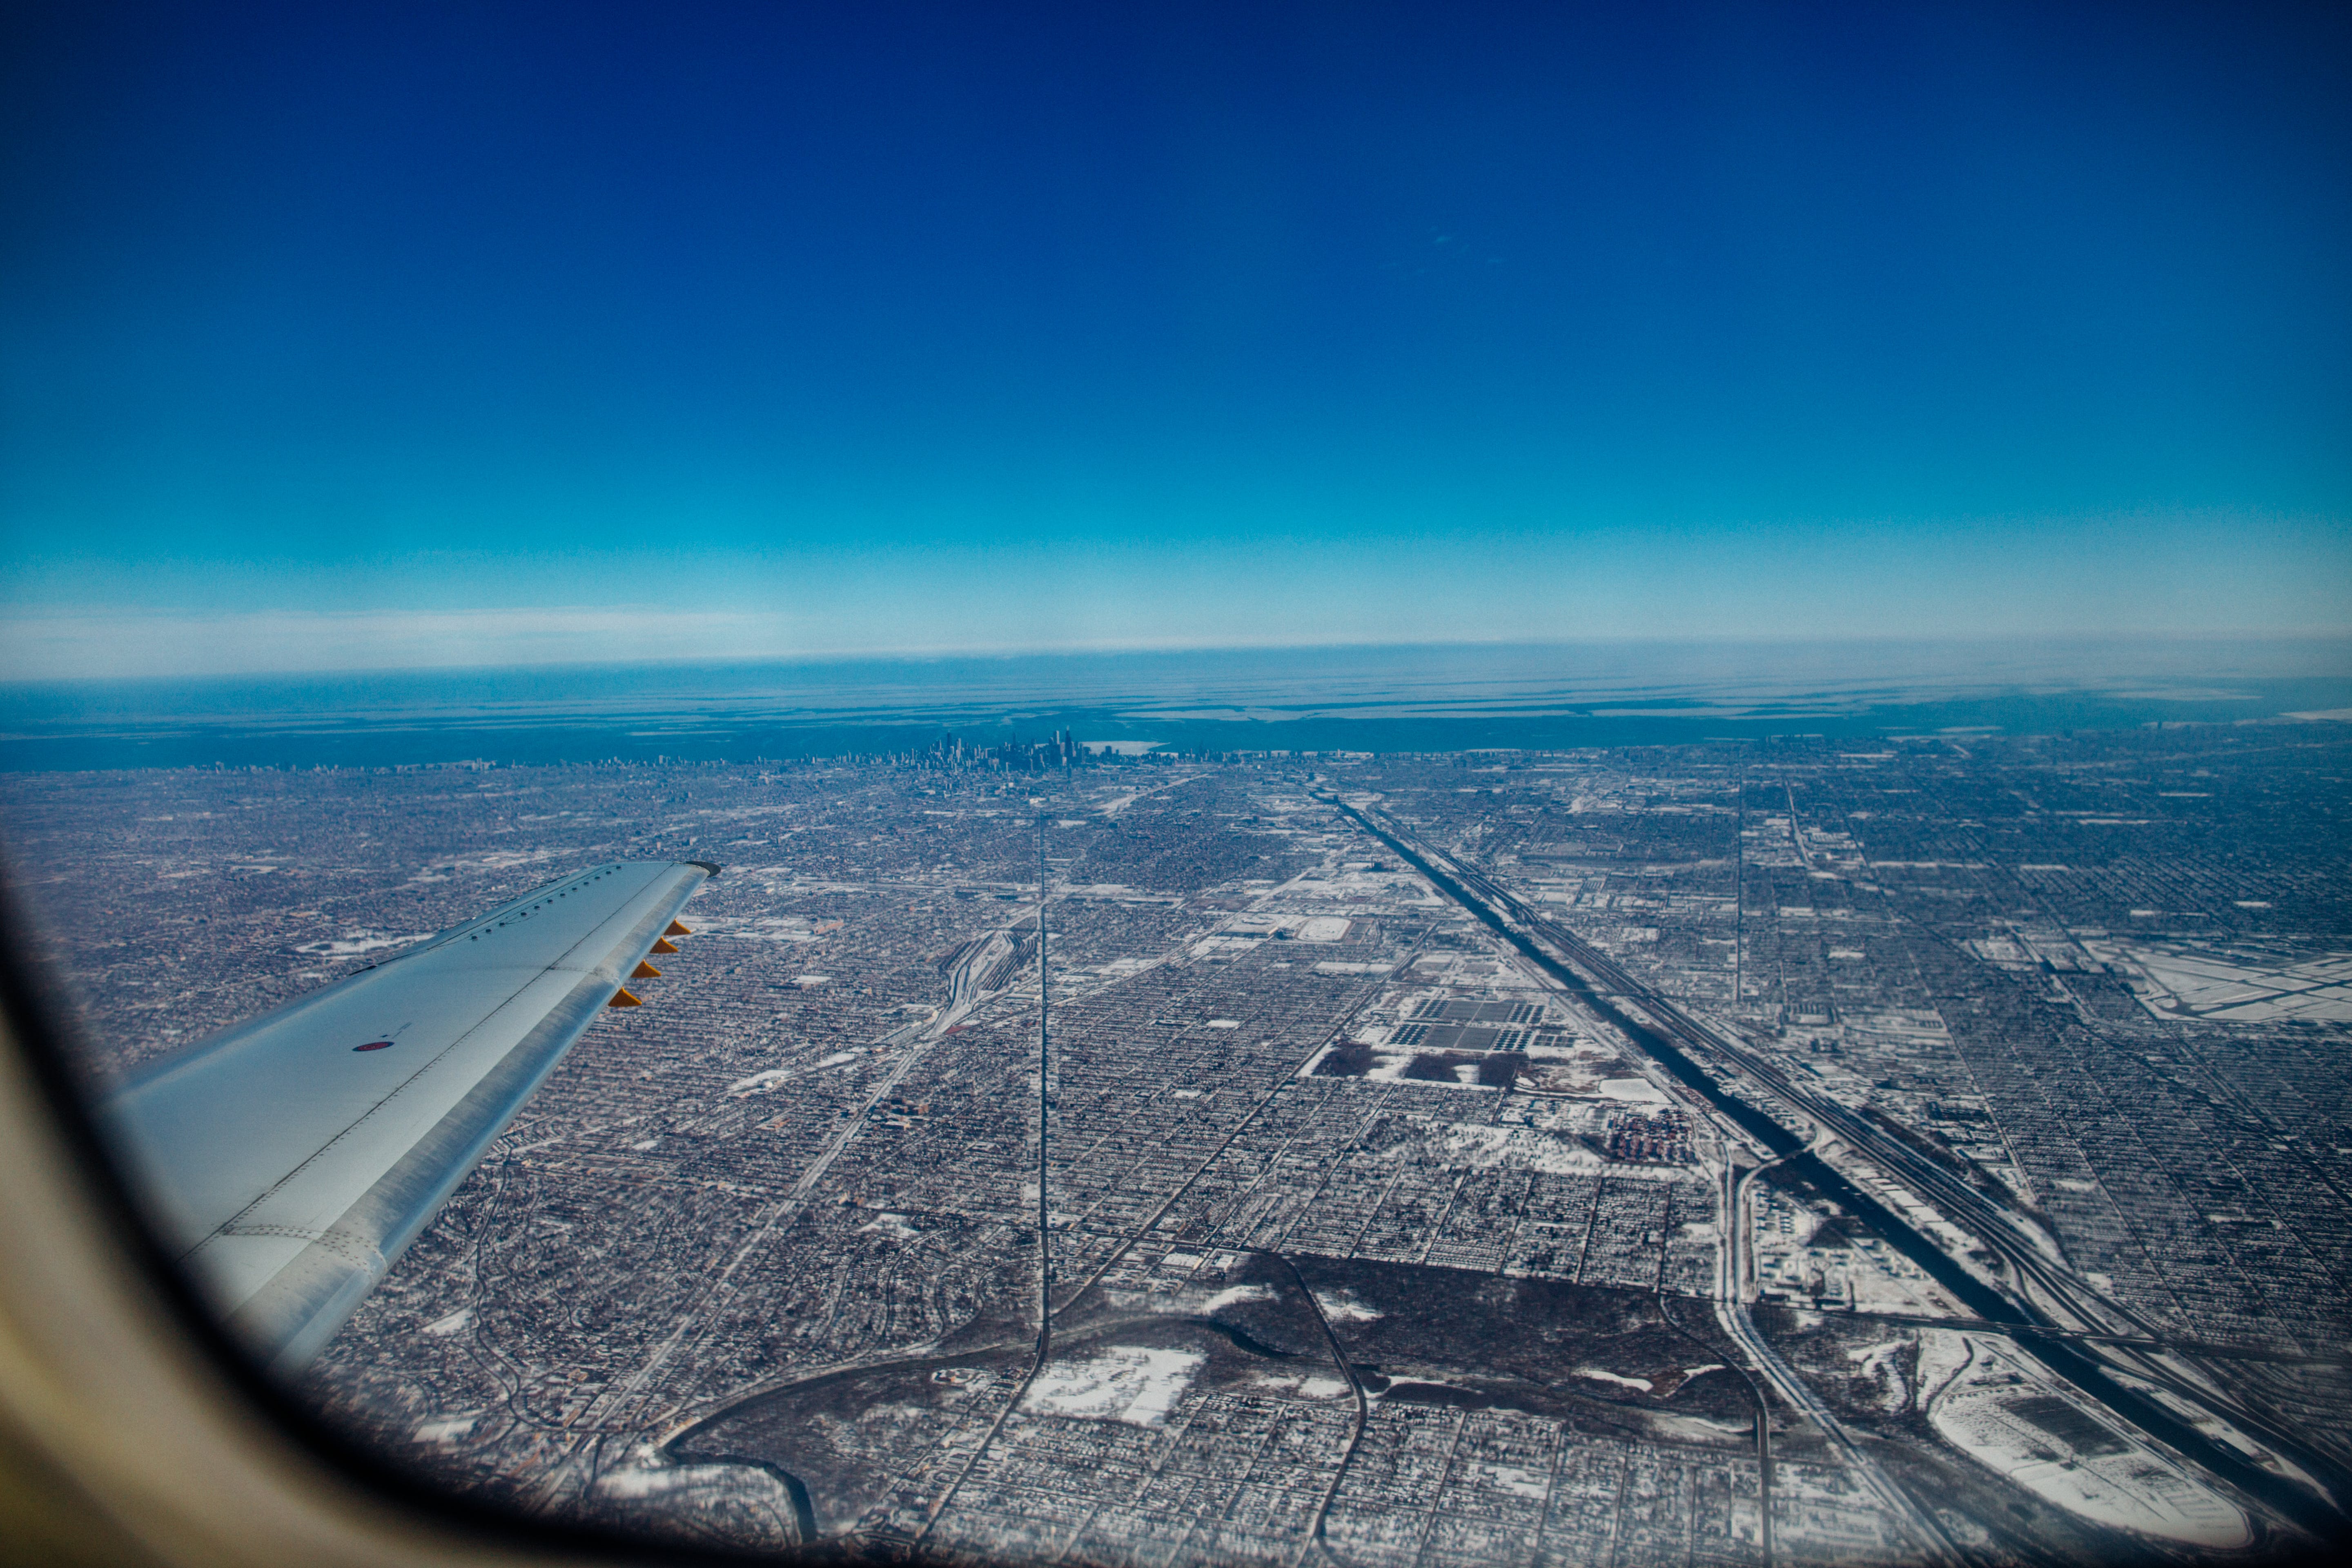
(1932, 1150)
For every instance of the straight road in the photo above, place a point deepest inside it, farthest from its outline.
(1680, 1043)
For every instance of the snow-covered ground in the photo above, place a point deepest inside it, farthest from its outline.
(1134, 1383)
(1341, 1307)
(2174, 980)
(357, 941)
(1993, 1406)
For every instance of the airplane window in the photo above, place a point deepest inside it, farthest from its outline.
(1201, 784)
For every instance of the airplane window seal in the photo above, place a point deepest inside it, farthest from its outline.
(212, 1461)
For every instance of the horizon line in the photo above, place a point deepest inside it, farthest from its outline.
(933, 653)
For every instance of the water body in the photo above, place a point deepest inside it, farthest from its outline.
(1373, 699)
(2060, 1357)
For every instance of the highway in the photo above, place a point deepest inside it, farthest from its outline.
(1680, 1043)
(2071, 1326)
(1045, 1346)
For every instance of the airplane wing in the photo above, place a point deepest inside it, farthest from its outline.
(291, 1158)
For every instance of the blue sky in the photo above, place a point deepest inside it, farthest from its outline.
(345, 335)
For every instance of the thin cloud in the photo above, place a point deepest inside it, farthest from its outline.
(71, 645)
